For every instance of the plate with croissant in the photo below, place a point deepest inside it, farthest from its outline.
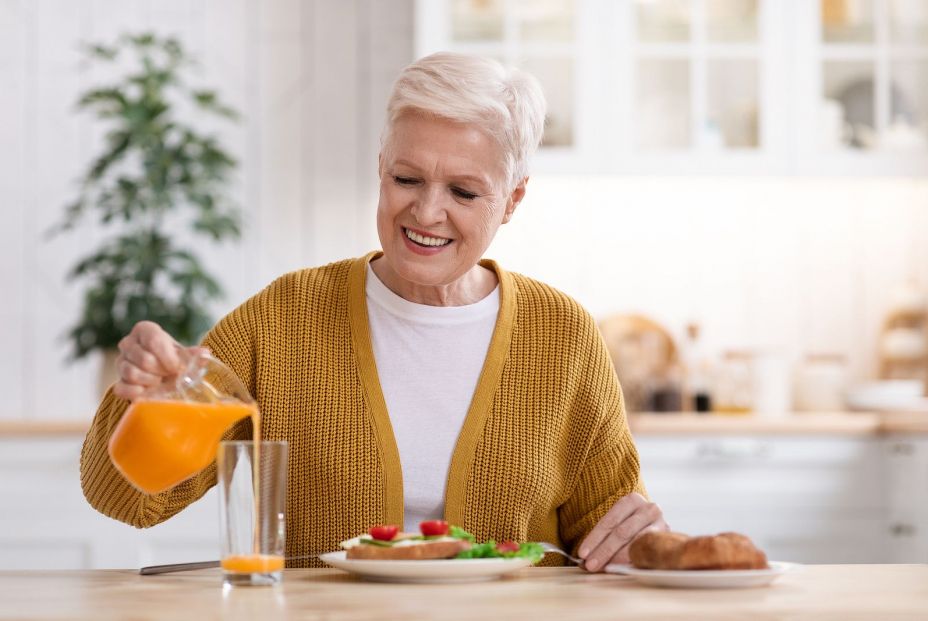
(723, 561)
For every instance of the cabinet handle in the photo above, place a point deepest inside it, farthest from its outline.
(902, 448)
(732, 451)
(902, 530)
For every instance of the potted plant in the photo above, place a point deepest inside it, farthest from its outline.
(158, 174)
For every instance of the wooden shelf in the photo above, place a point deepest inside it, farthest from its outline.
(43, 428)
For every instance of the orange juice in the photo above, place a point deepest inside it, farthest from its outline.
(158, 444)
(253, 563)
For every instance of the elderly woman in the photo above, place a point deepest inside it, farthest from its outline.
(421, 381)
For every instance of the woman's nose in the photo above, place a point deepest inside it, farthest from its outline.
(429, 207)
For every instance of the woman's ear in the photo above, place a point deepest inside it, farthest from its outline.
(514, 199)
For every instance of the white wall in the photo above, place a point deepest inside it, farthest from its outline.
(310, 78)
(779, 263)
(783, 265)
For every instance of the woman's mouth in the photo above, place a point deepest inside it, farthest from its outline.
(425, 241)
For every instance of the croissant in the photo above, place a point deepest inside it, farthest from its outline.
(669, 550)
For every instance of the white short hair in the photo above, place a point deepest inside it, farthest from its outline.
(505, 102)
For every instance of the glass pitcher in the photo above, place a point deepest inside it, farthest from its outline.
(172, 432)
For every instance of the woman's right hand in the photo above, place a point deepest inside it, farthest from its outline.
(147, 355)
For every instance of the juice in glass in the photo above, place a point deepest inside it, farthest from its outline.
(252, 482)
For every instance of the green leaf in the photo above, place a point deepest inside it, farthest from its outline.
(209, 100)
(101, 51)
(106, 102)
(459, 533)
(219, 226)
(205, 98)
(529, 549)
(144, 40)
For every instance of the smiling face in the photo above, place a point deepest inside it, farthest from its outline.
(442, 198)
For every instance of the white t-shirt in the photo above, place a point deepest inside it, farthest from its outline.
(428, 359)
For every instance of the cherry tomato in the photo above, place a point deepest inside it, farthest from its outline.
(434, 528)
(383, 532)
(507, 546)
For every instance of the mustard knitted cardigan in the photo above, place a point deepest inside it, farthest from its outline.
(544, 451)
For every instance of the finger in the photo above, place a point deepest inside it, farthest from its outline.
(129, 392)
(144, 360)
(622, 535)
(132, 375)
(155, 340)
(200, 351)
(624, 507)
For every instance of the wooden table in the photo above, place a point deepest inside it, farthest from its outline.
(878, 592)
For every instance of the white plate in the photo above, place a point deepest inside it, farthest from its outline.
(888, 396)
(450, 570)
(705, 579)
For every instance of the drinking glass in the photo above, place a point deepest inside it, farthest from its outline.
(252, 502)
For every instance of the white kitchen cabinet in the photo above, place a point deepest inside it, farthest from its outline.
(906, 458)
(45, 522)
(806, 499)
(711, 86)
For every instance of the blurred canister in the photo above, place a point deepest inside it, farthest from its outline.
(820, 383)
(734, 383)
(772, 384)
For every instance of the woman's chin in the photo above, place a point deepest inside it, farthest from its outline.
(424, 271)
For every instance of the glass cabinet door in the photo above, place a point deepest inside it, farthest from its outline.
(908, 71)
(537, 35)
(698, 74)
(874, 72)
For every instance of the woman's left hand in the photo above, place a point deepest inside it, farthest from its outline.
(608, 541)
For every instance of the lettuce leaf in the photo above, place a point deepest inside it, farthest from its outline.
(459, 533)
(528, 549)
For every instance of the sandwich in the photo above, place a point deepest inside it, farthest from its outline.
(435, 540)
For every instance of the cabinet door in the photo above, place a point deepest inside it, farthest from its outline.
(863, 105)
(907, 506)
(802, 499)
(538, 35)
(46, 523)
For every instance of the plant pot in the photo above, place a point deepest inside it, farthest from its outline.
(108, 374)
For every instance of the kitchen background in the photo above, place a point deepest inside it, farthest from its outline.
(756, 167)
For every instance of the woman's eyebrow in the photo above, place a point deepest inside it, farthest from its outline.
(482, 181)
(478, 180)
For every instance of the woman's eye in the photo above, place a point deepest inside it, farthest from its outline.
(404, 180)
(463, 194)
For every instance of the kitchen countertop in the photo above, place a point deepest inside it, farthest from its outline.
(828, 423)
(813, 592)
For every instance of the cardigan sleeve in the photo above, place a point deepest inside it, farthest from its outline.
(104, 486)
(610, 469)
